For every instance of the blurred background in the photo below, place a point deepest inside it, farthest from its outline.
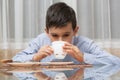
(23, 20)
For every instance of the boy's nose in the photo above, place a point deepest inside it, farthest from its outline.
(60, 39)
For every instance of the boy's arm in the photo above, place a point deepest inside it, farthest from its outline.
(95, 55)
(28, 53)
(38, 49)
(43, 52)
(24, 56)
(73, 51)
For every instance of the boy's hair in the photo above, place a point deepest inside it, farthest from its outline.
(59, 15)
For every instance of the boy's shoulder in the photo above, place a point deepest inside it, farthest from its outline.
(41, 39)
(84, 43)
(43, 36)
(83, 38)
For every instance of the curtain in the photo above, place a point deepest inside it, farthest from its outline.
(23, 20)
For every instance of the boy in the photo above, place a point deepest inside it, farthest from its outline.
(61, 26)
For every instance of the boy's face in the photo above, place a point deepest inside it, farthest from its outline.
(62, 34)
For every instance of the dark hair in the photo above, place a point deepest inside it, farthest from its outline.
(59, 15)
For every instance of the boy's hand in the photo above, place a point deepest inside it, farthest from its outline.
(73, 51)
(43, 52)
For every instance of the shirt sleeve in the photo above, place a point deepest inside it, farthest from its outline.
(95, 55)
(23, 57)
(27, 54)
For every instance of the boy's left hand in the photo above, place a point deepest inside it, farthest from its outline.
(73, 51)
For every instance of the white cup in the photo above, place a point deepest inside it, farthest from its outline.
(58, 49)
(60, 76)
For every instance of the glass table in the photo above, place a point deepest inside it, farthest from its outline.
(60, 72)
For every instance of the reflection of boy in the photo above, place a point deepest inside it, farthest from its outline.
(61, 26)
(94, 73)
(51, 75)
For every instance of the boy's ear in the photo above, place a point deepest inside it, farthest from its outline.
(76, 30)
(46, 30)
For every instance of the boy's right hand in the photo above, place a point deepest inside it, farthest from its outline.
(43, 52)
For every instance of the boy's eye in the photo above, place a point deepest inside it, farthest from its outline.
(55, 35)
(66, 35)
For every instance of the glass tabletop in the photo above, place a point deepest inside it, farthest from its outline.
(60, 72)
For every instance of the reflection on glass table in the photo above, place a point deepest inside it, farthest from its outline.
(94, 73)
(76, 74)
(105, 72)
(101, 73)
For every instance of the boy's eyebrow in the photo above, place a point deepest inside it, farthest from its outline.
(53, 33)
(64, 33)
(67, 32)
